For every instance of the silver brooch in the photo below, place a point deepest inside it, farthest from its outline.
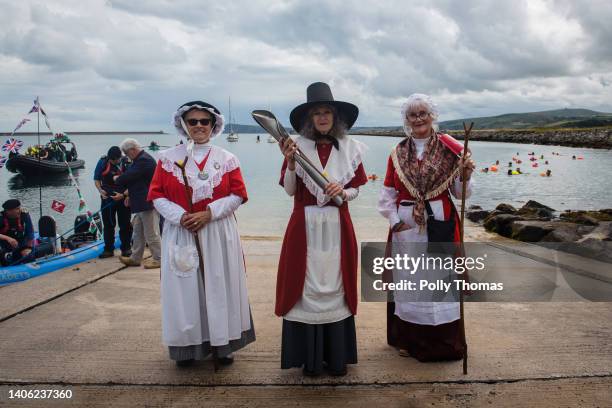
(217, 166)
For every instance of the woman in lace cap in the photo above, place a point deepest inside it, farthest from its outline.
(207, 311)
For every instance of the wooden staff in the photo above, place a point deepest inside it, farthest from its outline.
(196, 237)
(467, 131)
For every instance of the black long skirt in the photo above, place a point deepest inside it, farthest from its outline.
(201, 351)
(317, 346)
(424, 342)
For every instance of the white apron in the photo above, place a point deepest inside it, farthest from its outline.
(430, 313)
(323, 299)
(190, 315)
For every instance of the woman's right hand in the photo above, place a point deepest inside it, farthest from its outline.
(403, 227)
(288, 148)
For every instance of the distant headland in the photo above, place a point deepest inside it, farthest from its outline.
(131, 132)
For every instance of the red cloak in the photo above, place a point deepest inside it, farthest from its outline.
(292, 262)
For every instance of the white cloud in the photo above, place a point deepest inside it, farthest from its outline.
(121, 64)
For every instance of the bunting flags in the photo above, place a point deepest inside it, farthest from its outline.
(20, 124)
(93, 228)
(37, 108)
(12, 145)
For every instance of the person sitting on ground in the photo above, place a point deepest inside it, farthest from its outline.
(16, 233)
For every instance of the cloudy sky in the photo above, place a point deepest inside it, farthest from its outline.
(127, 64)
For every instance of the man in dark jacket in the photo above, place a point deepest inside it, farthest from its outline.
(145, 221)
(16, 233)
(113, 207)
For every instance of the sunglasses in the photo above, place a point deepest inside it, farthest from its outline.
(203, 122)
(413, 117)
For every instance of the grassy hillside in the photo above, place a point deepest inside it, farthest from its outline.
(572, 118)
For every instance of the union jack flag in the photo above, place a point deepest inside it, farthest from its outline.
(2, 161)
(12, 145)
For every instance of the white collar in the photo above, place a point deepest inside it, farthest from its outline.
(219, 162)
(340, 167)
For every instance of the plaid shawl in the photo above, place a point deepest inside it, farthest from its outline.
(427, 178)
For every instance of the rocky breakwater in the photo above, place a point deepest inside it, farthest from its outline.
(587, 233)
(597, 138)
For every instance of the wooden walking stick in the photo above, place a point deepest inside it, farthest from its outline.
(196, 237)
(467, 131)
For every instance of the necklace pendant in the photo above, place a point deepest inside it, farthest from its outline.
(203, 175)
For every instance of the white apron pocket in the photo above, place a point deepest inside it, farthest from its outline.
(184, 256)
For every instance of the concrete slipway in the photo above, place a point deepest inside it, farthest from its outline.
(96, 330)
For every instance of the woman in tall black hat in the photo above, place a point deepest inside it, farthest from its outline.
(203, 311)
(316, 290)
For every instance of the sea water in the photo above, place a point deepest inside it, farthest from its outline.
(575, 184)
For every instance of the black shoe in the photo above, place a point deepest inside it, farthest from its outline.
(336, 373)
(309, 373)
(184, 363)
(127, 253)
(106, 254)
(225, 361)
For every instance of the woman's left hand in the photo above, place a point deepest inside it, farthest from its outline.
(194, 222)
(468, 164)
(334, 189)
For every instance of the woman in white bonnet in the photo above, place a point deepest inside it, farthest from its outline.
(423, 171)
(210, 315)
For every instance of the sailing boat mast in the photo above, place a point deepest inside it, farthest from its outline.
(231, 137)
(229, 101)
